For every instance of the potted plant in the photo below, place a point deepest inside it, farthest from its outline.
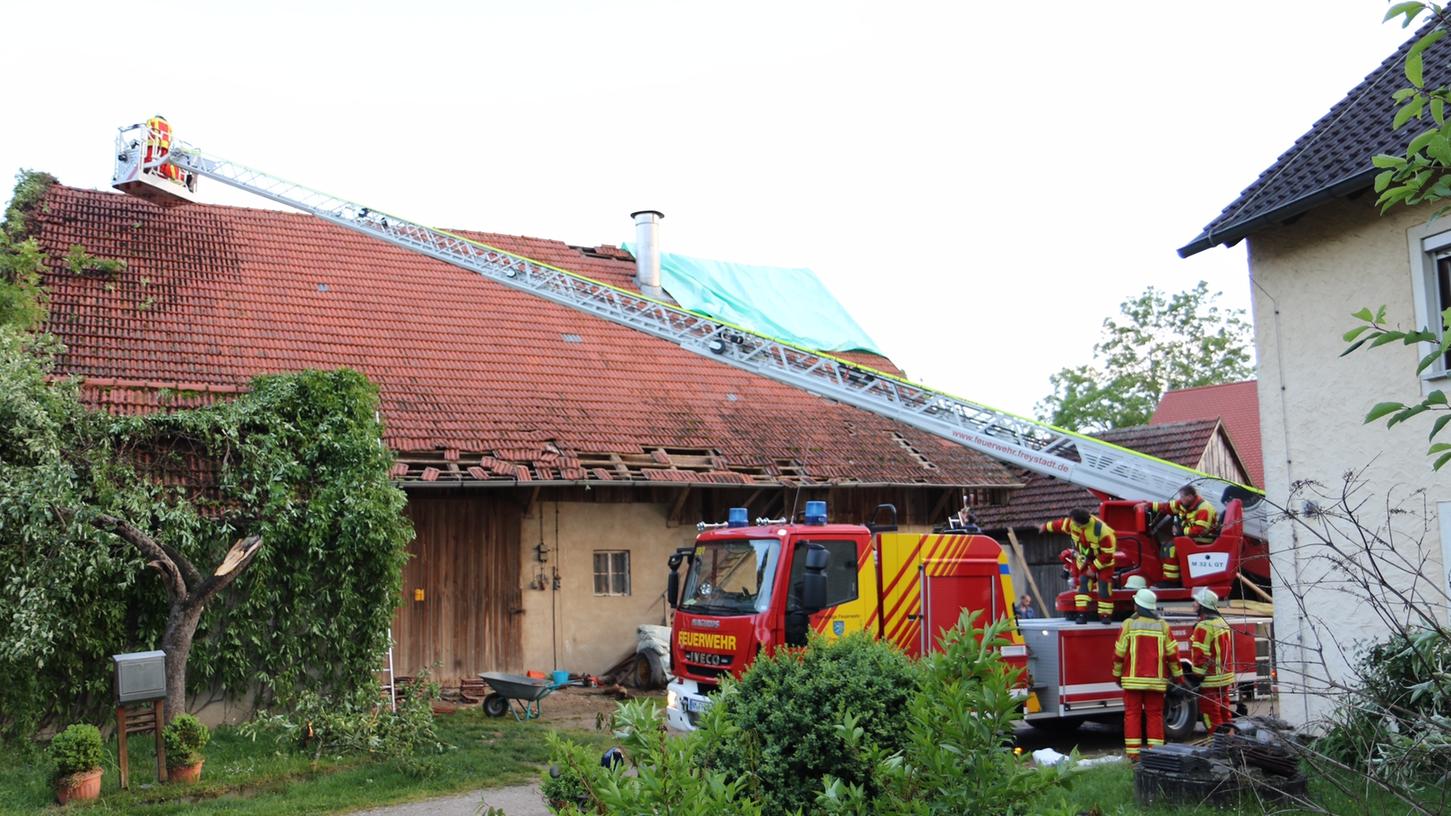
(185, 736)
(76, 753)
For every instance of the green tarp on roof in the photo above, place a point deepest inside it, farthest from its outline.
(789, 304)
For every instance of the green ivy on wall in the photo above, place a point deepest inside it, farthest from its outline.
(297, 459)
(22, 301)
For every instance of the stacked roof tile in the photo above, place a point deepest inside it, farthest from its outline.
(1333, 158)
(1043, 498)
(478, 382)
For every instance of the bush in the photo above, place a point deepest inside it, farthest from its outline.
(669, 776)
(185, 737)
(361, 724)
(957, 731)
(849, 728)
(76, 750)
(1396, 725)
(564, 783)
(777, 726)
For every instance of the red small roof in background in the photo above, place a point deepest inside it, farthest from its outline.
(478, 381)
(1236, 404)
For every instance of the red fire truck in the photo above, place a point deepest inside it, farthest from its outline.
(749, 588)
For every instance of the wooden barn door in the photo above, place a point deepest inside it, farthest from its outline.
(460, 588)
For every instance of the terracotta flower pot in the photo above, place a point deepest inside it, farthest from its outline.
(78, 786)
(185, 774)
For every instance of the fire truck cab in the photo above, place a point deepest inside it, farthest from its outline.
(750, 589)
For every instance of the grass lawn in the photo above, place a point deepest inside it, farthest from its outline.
(1108, 790)
(260, 777)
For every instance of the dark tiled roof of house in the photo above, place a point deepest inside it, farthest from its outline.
(1043, 498)
(1333, 158)
(1237, 405)
(478, 381)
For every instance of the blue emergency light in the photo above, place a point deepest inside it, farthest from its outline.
(816, 512)
(737, 517)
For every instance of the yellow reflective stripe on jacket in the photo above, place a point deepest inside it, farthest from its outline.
(1145, 646)
(1094, 541)
(1208, 647)
(1197, 520)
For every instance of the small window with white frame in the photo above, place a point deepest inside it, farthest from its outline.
(1431, 291)
(612, 572)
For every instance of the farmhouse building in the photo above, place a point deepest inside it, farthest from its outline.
(552, 460)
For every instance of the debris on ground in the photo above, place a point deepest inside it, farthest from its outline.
(647, 666)
(1047, 757)
(1250, 756)
(1106, 759)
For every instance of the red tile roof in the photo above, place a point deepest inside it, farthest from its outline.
(477, 381)
(1044, 498)
(1237, 405)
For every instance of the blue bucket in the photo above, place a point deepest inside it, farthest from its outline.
(559, 678)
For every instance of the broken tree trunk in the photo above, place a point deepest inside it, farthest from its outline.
(188, 592)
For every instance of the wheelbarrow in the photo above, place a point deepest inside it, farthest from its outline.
(524, 692)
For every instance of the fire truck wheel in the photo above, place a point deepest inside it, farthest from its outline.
(1181, 713)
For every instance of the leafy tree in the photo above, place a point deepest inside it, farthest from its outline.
(95, 508)
(89, 501)
(1162, 342)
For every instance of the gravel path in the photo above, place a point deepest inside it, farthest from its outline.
(520, 800)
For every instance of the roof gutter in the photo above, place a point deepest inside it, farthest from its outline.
(1301, 205)
(505, 483)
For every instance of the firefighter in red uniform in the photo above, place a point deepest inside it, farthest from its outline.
(1196, 517)
(1209, 648)
(1094, 546)
(158, 144)
(1145, 659)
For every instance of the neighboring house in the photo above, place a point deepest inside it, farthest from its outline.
(1318, 250)
(1200, 444)
(1235, 404)
(552, 460)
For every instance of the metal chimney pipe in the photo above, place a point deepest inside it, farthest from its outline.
(647, 251)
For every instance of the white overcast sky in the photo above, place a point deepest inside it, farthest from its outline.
(980, 183)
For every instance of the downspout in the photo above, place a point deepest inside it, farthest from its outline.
(554, 590)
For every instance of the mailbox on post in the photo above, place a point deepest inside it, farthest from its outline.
(140, 677)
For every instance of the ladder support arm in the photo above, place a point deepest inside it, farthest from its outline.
(1032, 445)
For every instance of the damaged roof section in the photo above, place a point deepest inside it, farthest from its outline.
(478, 382)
